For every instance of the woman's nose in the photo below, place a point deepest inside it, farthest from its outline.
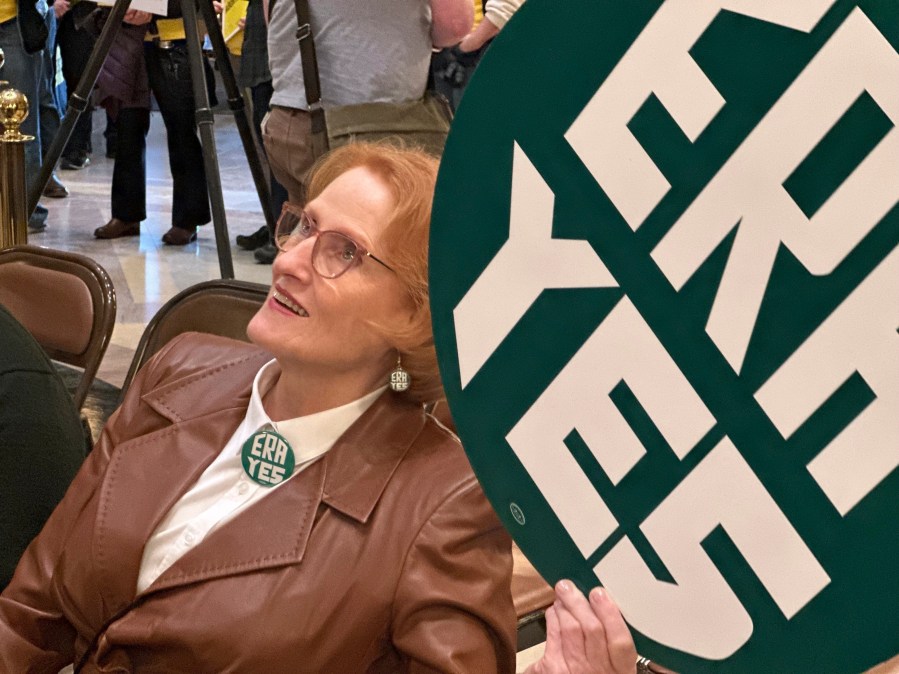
(297, 259)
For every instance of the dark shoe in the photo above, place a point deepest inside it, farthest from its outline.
(75, 163)
(253, 241)
(179, 237)
(115, 229)
(38, 220)
(55, 189)
(266, 254)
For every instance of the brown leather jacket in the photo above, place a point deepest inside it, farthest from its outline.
(383, 556)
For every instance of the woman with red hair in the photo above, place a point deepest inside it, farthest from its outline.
(288, 505)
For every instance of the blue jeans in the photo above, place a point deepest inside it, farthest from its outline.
(49, 111)
(23, 71)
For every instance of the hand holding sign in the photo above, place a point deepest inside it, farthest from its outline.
(585, 637)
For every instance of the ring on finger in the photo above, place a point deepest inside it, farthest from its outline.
(643, 665)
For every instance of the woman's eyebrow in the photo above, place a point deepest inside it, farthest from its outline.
(358, 235)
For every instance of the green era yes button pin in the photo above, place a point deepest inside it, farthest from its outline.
(267, 458)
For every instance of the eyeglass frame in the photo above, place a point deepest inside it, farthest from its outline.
(301, 215)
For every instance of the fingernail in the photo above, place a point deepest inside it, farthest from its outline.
(564, 586)
(597, 594)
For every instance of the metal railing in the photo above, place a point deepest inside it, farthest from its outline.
(13, 198)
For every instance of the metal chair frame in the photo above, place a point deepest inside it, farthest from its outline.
(37, 301)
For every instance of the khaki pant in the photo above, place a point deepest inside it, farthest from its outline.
(287, 134)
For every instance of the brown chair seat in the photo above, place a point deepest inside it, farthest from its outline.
(530, 593)
(532, 596)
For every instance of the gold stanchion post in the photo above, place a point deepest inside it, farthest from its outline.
(13, 198)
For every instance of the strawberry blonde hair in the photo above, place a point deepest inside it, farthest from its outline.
(410, 176)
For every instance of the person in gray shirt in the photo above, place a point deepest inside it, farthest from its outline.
(367, 52)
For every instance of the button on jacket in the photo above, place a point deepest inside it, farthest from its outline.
(384, 556)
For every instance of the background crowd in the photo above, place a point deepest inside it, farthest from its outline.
(147, 68)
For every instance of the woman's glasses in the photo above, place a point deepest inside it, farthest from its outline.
(333, 253)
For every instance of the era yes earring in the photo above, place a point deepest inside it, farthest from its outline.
(399, 378)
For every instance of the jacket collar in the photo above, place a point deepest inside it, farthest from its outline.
(223, 386)
(204, 409)
(361, 463)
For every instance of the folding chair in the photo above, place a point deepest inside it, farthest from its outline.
(532, 596)
(222, 307)
(66, 301)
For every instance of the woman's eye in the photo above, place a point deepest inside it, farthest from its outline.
(304, 228)
(349, 252)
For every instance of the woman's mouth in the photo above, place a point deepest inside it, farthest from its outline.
(286, 302)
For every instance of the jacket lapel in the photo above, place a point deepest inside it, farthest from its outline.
(271, 533)
(148, 474)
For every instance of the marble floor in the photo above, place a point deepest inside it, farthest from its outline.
(144, 271)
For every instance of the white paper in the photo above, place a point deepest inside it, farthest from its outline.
(159, 7)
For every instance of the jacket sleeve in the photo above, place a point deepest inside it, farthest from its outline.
(453, 607)
(34, 634)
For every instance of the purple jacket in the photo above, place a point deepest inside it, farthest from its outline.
(122, 82)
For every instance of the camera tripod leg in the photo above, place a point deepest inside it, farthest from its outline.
(205, 124)
(241, 118)
(78, 99)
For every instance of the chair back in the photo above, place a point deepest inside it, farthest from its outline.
(65, 300)
(221, 307)
(532, 596)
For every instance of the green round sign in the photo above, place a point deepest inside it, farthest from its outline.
(665, 287)
(267, 458)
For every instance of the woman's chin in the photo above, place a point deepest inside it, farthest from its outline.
(268, 331)
(260, 331)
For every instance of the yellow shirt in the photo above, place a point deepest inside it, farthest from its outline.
(8, 10)
(172, 29)
(169, 29)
